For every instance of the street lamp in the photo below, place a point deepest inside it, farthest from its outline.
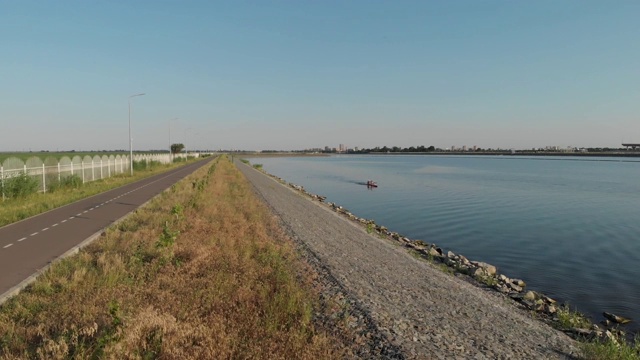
(130, 138)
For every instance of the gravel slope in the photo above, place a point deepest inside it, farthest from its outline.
(411, 309)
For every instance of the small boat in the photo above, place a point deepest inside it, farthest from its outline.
(371, 183)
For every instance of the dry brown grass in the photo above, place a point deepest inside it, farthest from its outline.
(203, 272)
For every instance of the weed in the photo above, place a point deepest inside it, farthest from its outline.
(177, 211)
(446, 269)
(20, 186)
(487, 280)
(68, 182)
(568, 318)
(370, 228)
(168, 237)
(611, 350)
(430, 257)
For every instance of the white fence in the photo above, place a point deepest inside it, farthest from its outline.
(88, 168)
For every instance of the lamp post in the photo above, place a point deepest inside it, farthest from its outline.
(130, 138)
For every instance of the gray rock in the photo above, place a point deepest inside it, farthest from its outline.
(530, 295)
(490, 269)
(514, 287)
(434, 252)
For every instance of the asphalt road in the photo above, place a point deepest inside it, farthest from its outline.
(29, 246)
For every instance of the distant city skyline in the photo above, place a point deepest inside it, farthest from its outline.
(293, 75)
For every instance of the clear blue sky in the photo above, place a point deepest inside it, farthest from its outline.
(301, 74)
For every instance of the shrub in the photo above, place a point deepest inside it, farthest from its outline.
(145, 164)
(20, 186)
(69, 182)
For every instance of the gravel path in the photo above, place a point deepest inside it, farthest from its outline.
(411, 309)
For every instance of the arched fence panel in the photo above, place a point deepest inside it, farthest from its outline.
(113, 165)
(119, 166)
(35, 169)
(86, 168)
(76, 167)
(13, 166)
(95, 168)
(51, 172)
(104, 167)
(65, 167)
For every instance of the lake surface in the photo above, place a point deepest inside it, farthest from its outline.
(568, 226)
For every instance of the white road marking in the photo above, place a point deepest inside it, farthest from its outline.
(45, 229)
(34, 234)
(54, 225)
(6, 246)
(24, 238)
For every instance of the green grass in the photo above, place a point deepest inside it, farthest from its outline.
(610, 350)
(568, 319)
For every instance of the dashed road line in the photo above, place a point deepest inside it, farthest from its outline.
(54, 225)
(24, 238)
(45, 229)
(34, 234)
(6, 246)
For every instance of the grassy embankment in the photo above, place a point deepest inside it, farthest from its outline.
(22, 207)
(201, 272)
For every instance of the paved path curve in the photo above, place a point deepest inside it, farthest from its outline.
(28, 246)
(420, 310)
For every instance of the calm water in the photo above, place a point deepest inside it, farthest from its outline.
(567, 226)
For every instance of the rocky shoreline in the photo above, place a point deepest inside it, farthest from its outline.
(486, 275)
